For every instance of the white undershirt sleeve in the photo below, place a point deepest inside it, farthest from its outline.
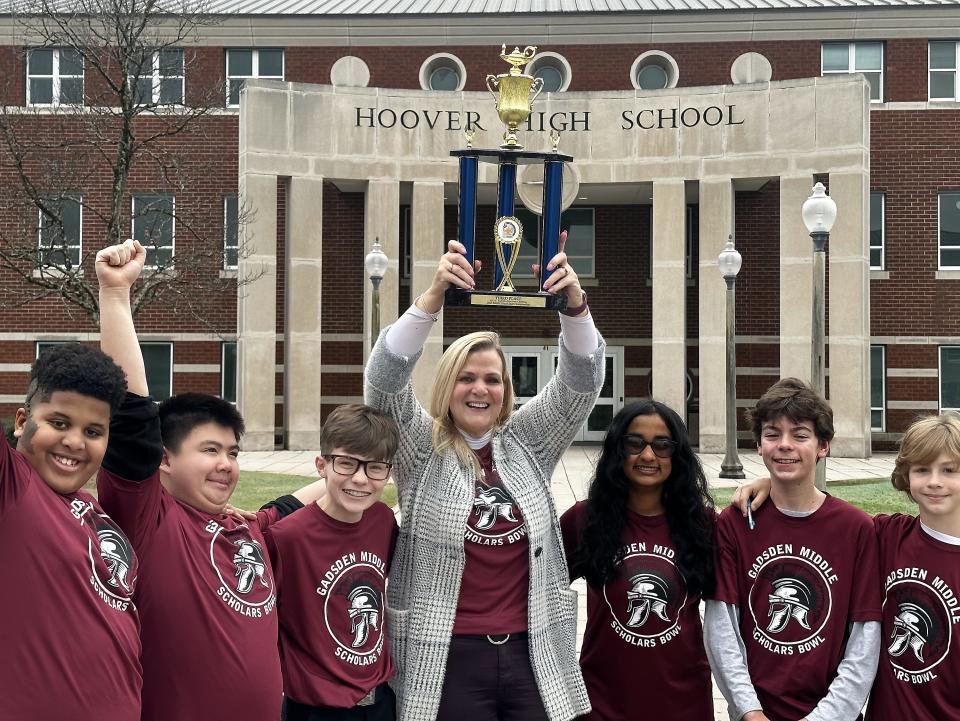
(848, 691)
(407, 336)
(579, 334)
(728, 658)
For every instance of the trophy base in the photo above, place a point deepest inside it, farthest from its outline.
(532, 299)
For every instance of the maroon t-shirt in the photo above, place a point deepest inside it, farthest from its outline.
(332, 577)
(919, 674)
(643, 651)
(69, 632)
(798, 583)
(207, 604)
(496, 576)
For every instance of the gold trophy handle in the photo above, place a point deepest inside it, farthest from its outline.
(492, 86)
(536, 87)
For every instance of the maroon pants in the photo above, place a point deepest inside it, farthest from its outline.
(489, 682)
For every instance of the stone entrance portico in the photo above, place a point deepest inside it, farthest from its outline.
(668, 140)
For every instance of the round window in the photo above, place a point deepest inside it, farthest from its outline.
(652, 77)
(552, 78)
(444, 78)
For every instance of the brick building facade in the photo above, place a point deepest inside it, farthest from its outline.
(914, 175)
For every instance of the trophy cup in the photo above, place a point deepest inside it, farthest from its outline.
(515, 93)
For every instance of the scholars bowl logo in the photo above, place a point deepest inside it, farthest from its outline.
(790, 602)
(494, 517)
(917, 626)
(353, 611)
(646, 599)
(246, 582)
(113, 564)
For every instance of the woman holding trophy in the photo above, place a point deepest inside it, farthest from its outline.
(480, 617)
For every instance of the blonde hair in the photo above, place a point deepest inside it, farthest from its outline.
(923, 443)
(445, 433)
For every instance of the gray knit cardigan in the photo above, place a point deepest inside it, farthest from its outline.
(436, 495)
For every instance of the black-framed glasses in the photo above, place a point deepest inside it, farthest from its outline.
(661, 447)
(348, 465)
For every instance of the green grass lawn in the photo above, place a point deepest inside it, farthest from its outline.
(255, 489)
(873, 495)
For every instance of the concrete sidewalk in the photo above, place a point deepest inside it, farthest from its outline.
(570, 481)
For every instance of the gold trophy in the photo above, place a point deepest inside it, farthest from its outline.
(514, 92)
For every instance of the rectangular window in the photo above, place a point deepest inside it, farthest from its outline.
(228, 371)
(60, 232)
(878, 395)
(154, 226)
(158, 362)
(249, 63)
(43, 345)
(950, 378)
(944, 65)
(159, 79)
(866, 58)
(231, 232)
(54, 77)
(949, 230)
(876, 231)
(579, 224)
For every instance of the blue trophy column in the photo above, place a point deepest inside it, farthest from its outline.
(506, 193)
(552, 196)
(468, 204)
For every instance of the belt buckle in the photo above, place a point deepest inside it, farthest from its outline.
(369, 699)
(491, 639)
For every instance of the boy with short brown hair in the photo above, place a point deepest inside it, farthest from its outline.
(330, 561)
(793, 629)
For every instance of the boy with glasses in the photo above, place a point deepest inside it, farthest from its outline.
(330, 561)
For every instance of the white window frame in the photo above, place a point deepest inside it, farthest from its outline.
(56, 77)
(79, 246)
(156, 78)
(437, 61)
(169, 345)
(223, 364)
(955, 71)
(852, 63)
(254, 68)
(883, 230)
(226, 224)
(555, 61)
(173, 225)
(883, 382)
(940, 245)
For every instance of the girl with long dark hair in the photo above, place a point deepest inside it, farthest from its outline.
(643, 540)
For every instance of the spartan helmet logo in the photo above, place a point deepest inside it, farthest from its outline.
(248, 559)
(364, 613)
(649, 593)
(790, 599)
(911, 628)
(116, 554)
(491, 503)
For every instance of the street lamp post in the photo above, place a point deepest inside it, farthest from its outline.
(819, 213)
(729, 262)
(376, 266)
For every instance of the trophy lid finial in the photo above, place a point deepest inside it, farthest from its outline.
(518, 58)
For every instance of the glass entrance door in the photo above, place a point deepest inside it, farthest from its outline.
(528, 365)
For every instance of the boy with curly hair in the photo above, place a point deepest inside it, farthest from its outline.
(68, 627)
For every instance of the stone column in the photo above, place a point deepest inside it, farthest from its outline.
(716, 223)
(382, 220)
(796, 279)
(257, 311)
(303, 297)
(849, 315)
(669, 294)
(426, 247)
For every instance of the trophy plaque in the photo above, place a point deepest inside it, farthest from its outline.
(515, 93)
